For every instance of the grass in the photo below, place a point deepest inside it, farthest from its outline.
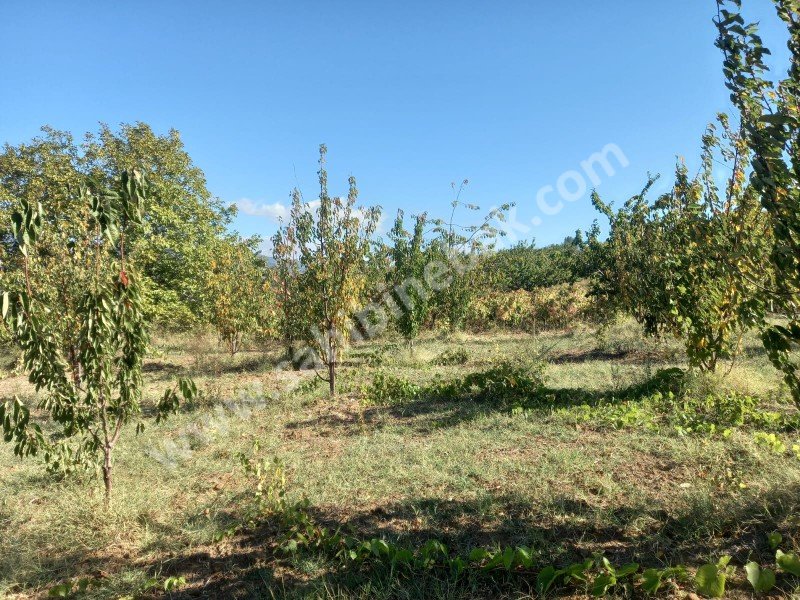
(555, 475)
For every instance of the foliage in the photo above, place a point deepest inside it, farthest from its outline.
(300, 534)
(409, 257)
(237, 292)
(285, 280)
(710, 578)
(771, 441)
(70, 589)
(330, 244)
(525, 267)
(679, 266)
(378, 357)
(177, 227)
(556, 307)
(387, 389)
(612, 576)
(788, 562)
(84, 350)
(688, 413)
(460, 246)
(770, 114)
(502, 309)
(762, 580)
(505, 384)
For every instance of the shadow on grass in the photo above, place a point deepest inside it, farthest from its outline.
(559, 531)
(563, 531)
(626, 355)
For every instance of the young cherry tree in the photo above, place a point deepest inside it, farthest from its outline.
(285, 280)
(409, 257)
(236, 286)
(460, 246)
(331, 244)
(680, 265)
(78, 320)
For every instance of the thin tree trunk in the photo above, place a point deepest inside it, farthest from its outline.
(107, 474)
(332, 367)
(332, 378)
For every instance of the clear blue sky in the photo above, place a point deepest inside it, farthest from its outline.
(408, 96)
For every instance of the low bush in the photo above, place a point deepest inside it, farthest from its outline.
(505, 383)
(448, 358)
(686, 413)
(387, 389)
(299, 534)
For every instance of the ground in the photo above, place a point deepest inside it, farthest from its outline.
(596, 465)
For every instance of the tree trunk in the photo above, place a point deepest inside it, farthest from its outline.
(331, 362)
(107, 474)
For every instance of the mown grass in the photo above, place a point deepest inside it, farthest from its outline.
(554, 474)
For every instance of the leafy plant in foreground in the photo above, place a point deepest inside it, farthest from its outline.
(300, 535)
(710, 578)
(387, 389)
(789, 562)
(762, 580)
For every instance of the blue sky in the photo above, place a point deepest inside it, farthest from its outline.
(408, 96)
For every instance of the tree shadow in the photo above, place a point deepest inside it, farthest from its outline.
(633, 356)
(562, 531)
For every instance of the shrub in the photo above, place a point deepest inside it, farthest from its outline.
(506, 384)
(387, 389)
(449, 358)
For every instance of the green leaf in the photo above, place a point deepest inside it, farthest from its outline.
(546, 578)
(762, 580)
(774, 540)
(478, 555)
(60, 591)
(602, 584)
(380, 547)
(789, 562)
(403, 556)
(578, 570)
(651, 580)
(710, 581)
(523, 557)
(508, 558)
(626, 570)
